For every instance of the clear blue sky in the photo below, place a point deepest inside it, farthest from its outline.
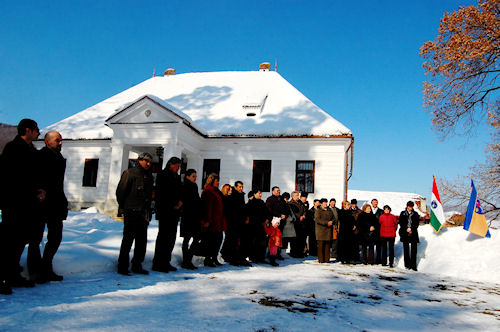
(358, 61)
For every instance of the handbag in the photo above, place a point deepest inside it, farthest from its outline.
(335, 234)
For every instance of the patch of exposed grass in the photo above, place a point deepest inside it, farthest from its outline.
(292, 305)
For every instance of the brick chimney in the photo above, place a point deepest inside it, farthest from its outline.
(265, 66)
(169, 71)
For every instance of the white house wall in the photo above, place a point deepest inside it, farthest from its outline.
(75, 153)
(237, 156)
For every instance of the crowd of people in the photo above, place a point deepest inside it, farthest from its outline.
(248, 231)
(244, 231)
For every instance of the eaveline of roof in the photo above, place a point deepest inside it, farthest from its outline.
(247, 103)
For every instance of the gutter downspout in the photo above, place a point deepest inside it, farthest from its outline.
(348, 175)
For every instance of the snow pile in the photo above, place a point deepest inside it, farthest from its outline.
(457, 253)
(92, 241)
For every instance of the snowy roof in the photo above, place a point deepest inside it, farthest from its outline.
(218, 103)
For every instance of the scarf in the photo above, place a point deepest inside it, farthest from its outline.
(410, 214)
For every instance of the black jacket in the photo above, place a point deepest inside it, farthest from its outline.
(404, 219)
(347, 248)
(299, 209)
(135, 190)
(191, 209)
(277, 206)
(365, 221)
(18, 177)
(235, 209)
(168, 193)
(257, 214)
(52, 167)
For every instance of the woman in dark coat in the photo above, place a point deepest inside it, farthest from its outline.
(213, 221)
(324, 220)
(190, 220)
(408, 233)
(367, 223)
(346, 241)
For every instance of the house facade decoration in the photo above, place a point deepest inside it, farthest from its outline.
(250, 126)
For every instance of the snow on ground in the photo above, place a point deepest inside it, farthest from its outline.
(456, 287)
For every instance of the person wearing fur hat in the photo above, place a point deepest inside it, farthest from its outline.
(324, 218)
(134, 194)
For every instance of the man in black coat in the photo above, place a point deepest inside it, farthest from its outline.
(408, 233)
(19, 197)
(168, 208)
(378, 244)
(299, 209)
(190, 219)
(277, 207)
(53, 210)
(235, 248)
(134, 194)
(311, 229)
(258, 216)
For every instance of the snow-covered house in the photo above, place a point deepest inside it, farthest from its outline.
(396, 200)
(251, 126)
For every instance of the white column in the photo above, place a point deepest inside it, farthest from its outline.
(171, 150)
(196, 162)
(119, 162)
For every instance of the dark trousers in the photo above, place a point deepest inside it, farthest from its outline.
(247, 239)
(165, 240)
(37, 264)
(367, 258)
(231, 249)
(335, 244)
(387, 242)
(135, 227)
(378, 251)
(214, 240)
(324, 251)
(286, 241)
(312, 244)
(410, 255)
(16, 232)
(187, 250)
(258, 250)
(299, 244)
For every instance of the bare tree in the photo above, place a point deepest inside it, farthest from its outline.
(455, 194)
(463, 70)
(462, 91)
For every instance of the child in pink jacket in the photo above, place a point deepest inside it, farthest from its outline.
(275, 239)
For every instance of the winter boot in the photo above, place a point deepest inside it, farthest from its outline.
(49, 274)
(272, 261)
(4, 288)
(208, 262)
(188, 266)
(139, 270)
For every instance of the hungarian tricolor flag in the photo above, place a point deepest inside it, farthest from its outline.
(437, 215)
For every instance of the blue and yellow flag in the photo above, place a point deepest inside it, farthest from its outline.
(475, 221)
